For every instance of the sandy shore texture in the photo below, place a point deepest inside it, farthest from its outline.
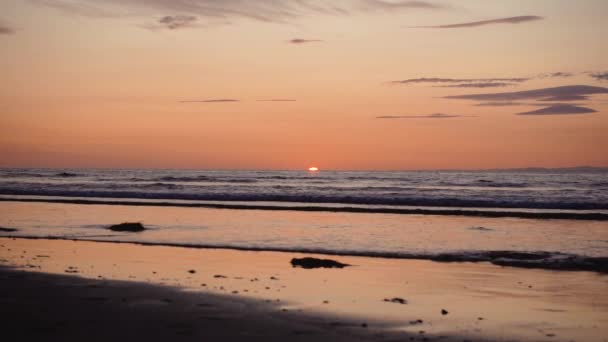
(54, 290)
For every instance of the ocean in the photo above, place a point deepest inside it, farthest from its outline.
(545, 218)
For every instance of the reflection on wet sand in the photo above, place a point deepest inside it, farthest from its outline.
(478, 301)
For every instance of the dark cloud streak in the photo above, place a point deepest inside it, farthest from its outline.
(459, 80)
(259, 10)
(564, 93)
(559, 74)
(173, 22)
(430, 116)
(209, 101)
(500, 104)
(5, 29)
(565, 97)
(510, 20)
(298, 41)
(477, 85)
(600, 76)
(560, 109)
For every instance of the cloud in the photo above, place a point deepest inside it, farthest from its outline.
(600, 76)
(459, 80)
(556, 74)
(386, 5)
(430, 116)
(510, 20)
(303, 41)
(565, 97)
(540, 103)
(500, 104)
(173, 22)
(5, 29)
(277, 100)
(483, 82)
(477, 85)
(560, 109)
(260, 10)
(209, 101)
(564, 93)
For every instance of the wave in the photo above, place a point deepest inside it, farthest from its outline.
(162, 186)
(119, 190)
(66, 175)
(486, 183)
(27, 174)
(490, 183)
(192, 179)
(556, 261)
(313, 208)
(19, 174)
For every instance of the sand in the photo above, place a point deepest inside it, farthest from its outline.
(68, 290)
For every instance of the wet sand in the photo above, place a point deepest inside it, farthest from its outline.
(68, 290)
(50, 307)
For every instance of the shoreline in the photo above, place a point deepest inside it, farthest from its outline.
(530, 260)
(343, 209)
(261, 291)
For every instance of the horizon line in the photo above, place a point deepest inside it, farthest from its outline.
(524, 168)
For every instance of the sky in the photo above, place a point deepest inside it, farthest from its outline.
(287, 84)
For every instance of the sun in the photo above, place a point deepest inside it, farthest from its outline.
(313, 169)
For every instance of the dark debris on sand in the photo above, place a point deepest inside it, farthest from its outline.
(127, 227)
(310, 263)
(396, 300)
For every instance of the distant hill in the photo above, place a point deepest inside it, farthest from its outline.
(575, 169)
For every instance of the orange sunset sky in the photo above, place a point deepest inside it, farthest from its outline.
(286, 84)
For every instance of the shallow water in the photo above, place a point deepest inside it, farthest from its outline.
(384, 235)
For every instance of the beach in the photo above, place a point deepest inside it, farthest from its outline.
(249, 295)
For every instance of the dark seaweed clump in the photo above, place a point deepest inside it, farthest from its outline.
(316, 263)
(127, 227)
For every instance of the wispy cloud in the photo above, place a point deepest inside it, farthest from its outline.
(460, 80)
(558, 74)
(173, 22)
(540, 97)
(560, 109)
(430, 116)
(500, 104)
(564, 93)
(565, 97)
(487, 82)
(389, 5)
(5, 29)
(600, 76)
(303, 41)
(510, 20)
(539, 103)
(259, 10)
(477, 85)
(209, 101)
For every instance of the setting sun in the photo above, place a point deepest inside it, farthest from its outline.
(313, 169)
